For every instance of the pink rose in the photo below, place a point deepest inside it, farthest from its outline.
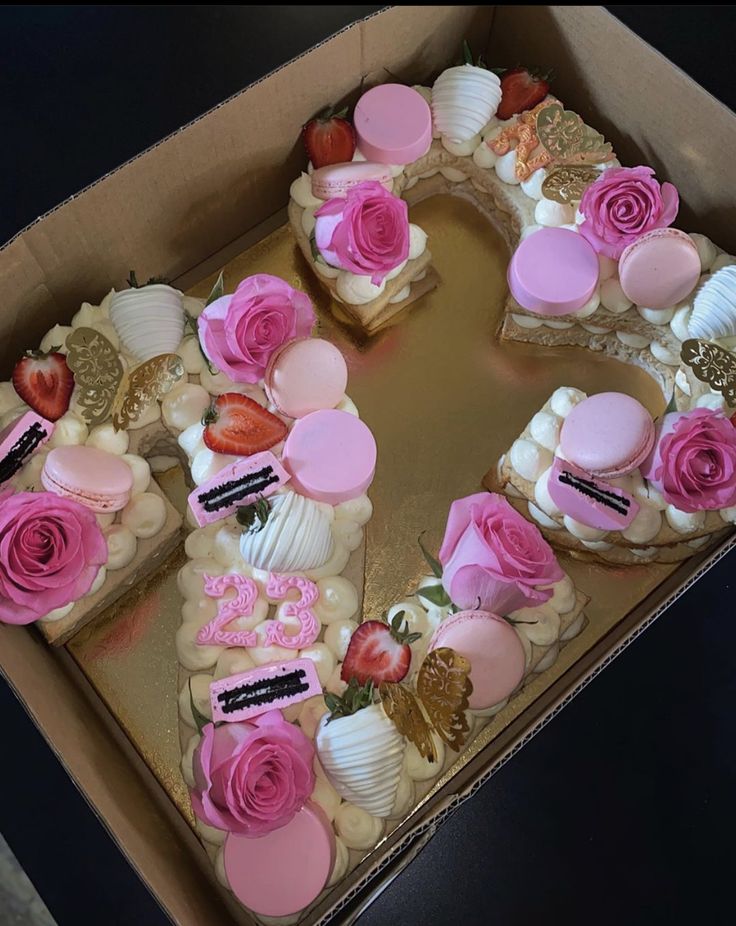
(623, 204)
(365, 232)
(693, 463)
(252, 777)
(51, 550)
(240, 332)
(493, 559)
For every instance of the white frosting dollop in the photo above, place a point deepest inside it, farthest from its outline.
(301, 192)
(506, 168)
(684, 522)
(529, 459)
(552, 214)
(357, 290)
(484, 157)
(543, 498)
(121, 546)
(645, 526)
(144, 515)
(564, 399)
(184, 406)
(582, 531)
(357, 828)
(296, 537)
(613, 297)
(141, 472)
(69, 429)
(532, 186)
(105, 437)
(338, 600)
(417, 241)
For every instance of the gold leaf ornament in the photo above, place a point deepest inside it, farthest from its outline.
(713, 365)
(568, 140)
(400, 706)
(566, 185)
(444, 688)
(104, 386)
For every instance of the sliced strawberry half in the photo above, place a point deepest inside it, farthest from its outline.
(522, 89)
(329, 138)
(44, 382)
(237, 425)
(379, 652)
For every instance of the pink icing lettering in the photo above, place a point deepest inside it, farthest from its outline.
(278, 587)
(246, 593)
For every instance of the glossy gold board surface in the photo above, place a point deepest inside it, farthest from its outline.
(444, 399)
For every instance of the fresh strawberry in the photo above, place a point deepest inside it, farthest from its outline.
(329, 138)
(522, 89)
(44, 382)
(239, 426)
(379, 652)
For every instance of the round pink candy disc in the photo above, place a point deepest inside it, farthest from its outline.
(284, 871)
(305, 375)
(553, 272)
(331, 456)
(495, 652)
(393, 124)
(660, 268)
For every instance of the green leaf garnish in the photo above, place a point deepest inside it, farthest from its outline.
(199, 718)
(254, 517)
(218, 290)
(436, 595)
(434, 564)
(191, 322)
(353, 699)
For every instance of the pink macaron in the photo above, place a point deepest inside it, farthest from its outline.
(659, 269)
(553, 272)
(608, 434)
(393, 124)
(96, 479)
(336, 179)
(305, 375)
(497, 659)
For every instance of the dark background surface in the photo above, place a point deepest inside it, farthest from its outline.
(622, 810)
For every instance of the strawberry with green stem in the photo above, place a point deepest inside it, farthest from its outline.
(329, 138)
(379, 651)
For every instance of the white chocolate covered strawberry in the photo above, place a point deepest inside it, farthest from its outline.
(361, 750)
(464, 99)
(148, 319)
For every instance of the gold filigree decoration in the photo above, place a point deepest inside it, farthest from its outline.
(444, 688)
(400, 705)
(98, 372)
(566, 185)
(712, 364)
(567, 139)
(524, 133)
(104, 386)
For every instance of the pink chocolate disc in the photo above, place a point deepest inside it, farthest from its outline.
(553, 272)
(284, 871)
(608, 434)
(495, 652)
(331, 456)
(393, 124)
(660, 268)
(305, 375)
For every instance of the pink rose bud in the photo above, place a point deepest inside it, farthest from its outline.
(693, 463)
(622, 204)
(240, 332)
(493, 559)
(52, 550)
(365, 232)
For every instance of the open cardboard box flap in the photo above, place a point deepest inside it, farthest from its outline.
(175, 207)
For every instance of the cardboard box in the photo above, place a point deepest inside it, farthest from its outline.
(213, 188)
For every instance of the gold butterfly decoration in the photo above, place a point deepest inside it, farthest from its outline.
(443, 693)
(567, 184)
(106, 388)
(568, 140)
(712, 364)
